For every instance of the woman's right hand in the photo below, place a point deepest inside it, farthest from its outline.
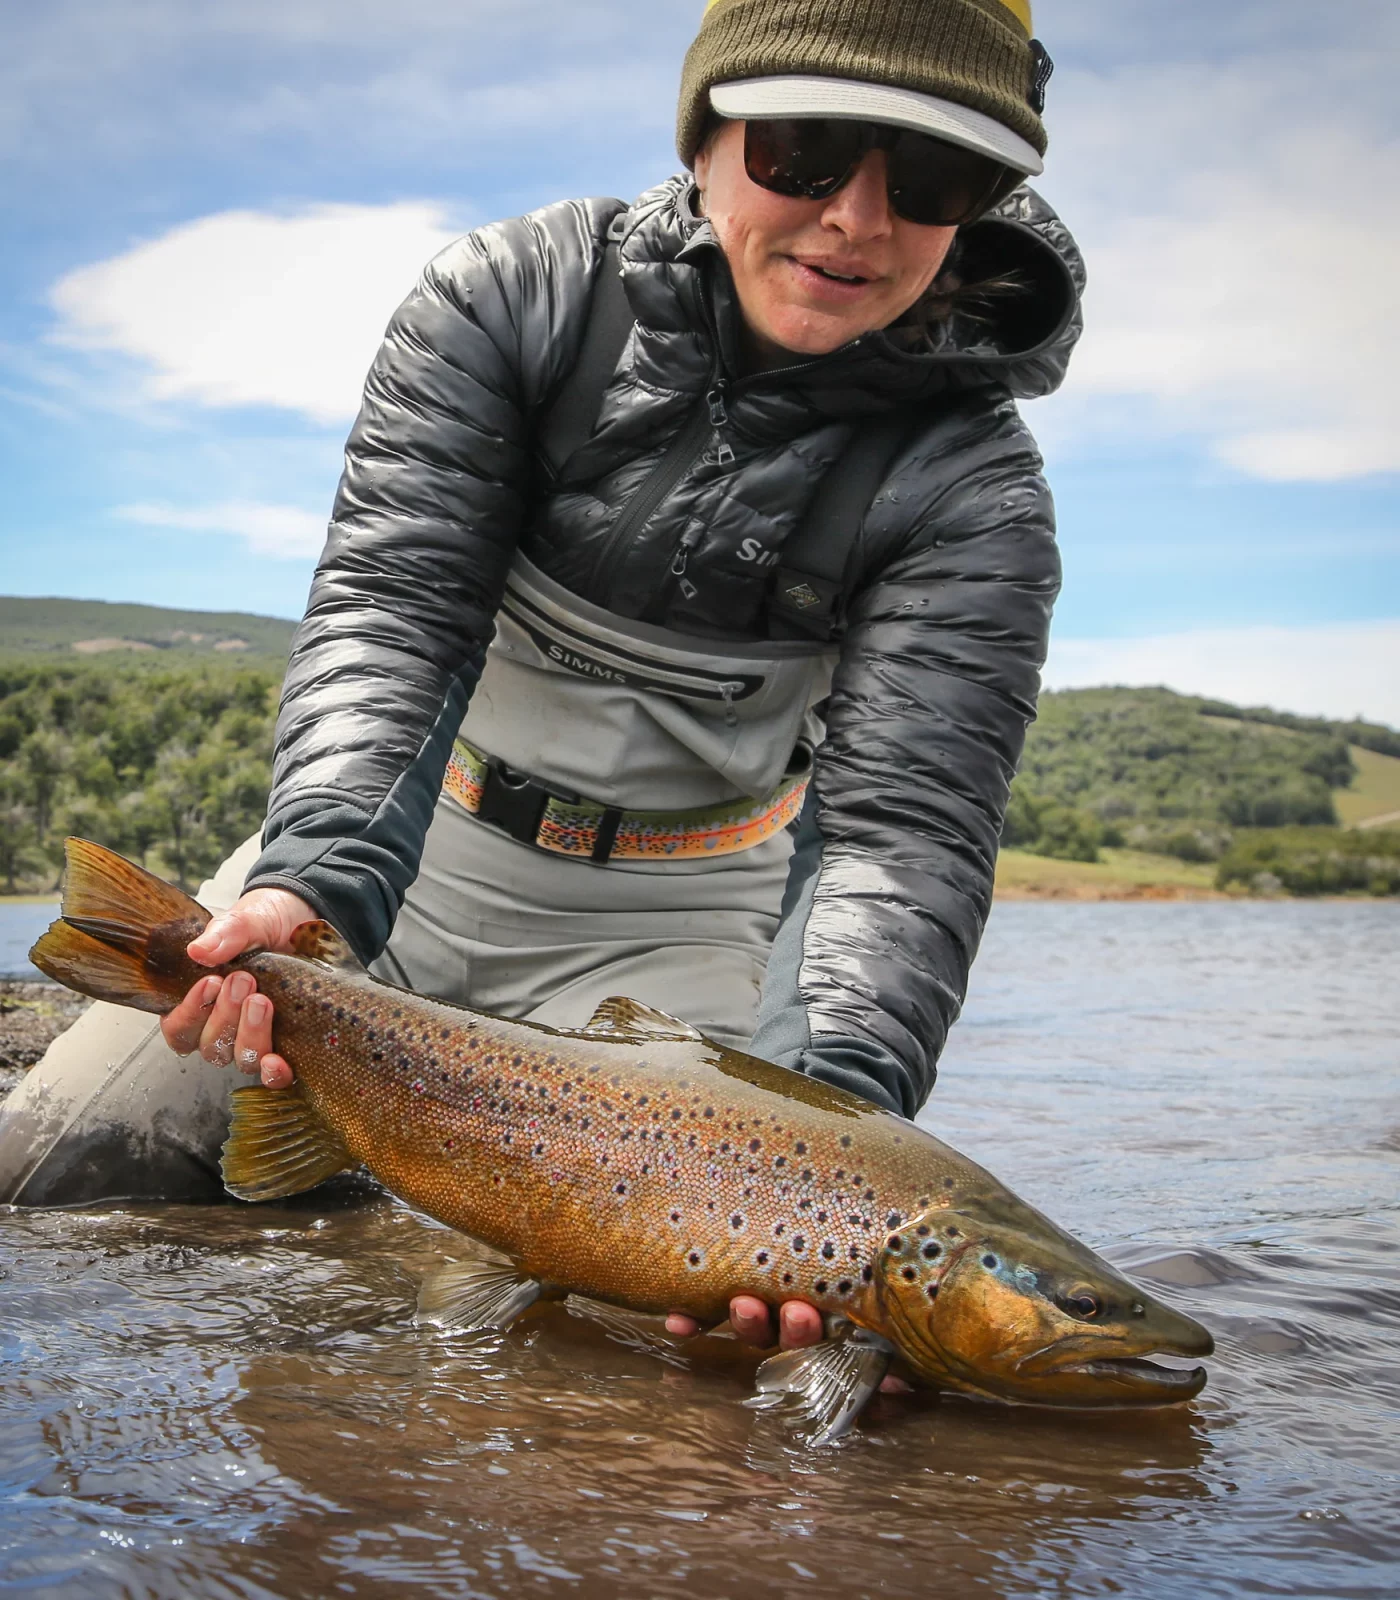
(225, 1018)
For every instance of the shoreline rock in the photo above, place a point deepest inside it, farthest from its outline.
(32, 1015)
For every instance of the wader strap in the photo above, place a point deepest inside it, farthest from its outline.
(571, 419)
(810, 584)
(569, 825)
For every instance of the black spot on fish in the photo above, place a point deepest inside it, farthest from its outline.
(677, 1114)
(932, 1251)
(695, 1259)
(806, 1175)
(780, 1161)
(799, 1149)
(755, 1145)
(991, 1263)
(787, 1277)
(799, 1244)
(762, 1257)
(845, 1141)
(953, 1233)
(893, 1220)
(923, 1230)
(828, 1251)
(866, 1274)
(894, 1242)
(619, 1188)
(844, 1287)
(737, 1221)
(821, 1216)
(820, 1286)
(932, 1291)
(909, 1274)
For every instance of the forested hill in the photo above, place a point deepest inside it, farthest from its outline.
(53, 629)
(151, 731)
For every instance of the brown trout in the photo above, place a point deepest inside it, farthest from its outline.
(637, 1163)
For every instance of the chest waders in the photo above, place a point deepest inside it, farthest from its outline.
(635, 784)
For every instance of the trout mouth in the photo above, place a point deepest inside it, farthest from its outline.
(1133, 1375)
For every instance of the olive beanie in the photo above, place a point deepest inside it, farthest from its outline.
(975, 53)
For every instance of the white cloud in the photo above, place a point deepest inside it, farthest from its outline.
(1338, 670)
(286, 532)
(245, 308)
(1242, 255)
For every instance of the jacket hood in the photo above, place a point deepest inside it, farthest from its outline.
(681, 291)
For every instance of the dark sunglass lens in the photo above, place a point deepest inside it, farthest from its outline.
(941, 184)
(808, 158)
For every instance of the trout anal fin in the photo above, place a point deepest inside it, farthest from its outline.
(472, 1296)
(278, 1145)
(621, 1017)
(827, 1386)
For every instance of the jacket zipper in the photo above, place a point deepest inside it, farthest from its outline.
(681, 455)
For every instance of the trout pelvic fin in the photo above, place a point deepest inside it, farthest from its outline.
(828, 1385)
(122, 933)
(319, 942)
(278, 1145)
(619, 1015)
(472, 1296)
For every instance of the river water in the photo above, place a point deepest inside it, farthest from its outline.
(232, 1402)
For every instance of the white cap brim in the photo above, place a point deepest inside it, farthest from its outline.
(876, 102)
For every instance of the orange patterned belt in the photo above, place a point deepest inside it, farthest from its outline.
(569, 825)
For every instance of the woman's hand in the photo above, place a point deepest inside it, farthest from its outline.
(226, 1019)
(799, 1324)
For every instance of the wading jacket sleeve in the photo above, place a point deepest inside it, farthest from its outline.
(953, 579)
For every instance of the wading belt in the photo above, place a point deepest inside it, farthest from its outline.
(569, 825)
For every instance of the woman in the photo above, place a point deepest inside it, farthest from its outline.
(558, 707)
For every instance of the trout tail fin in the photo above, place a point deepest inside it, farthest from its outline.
(122, 933)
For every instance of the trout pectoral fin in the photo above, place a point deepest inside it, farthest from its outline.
(319, 942)
(619, 1015)
(278, 1145)
(471, 1296)
(828, 1385)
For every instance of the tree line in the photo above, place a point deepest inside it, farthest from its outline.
(169, 765)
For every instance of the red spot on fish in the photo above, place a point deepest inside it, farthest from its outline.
(332, 1039)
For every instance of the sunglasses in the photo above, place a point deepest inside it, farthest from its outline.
(929, 181)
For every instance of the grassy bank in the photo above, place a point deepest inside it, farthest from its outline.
(1118, 875)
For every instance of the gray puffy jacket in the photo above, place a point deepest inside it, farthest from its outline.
(954, 575)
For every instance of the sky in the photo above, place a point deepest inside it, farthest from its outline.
(212, 209)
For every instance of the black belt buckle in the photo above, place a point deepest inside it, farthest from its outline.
(513, 802)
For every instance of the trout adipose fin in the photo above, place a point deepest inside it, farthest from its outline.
(828, 1385)
(278, 1146)
(472, 1296)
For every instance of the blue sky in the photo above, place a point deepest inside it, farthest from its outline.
(212, 210)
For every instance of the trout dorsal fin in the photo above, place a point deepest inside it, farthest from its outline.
(319, 942)
(619, 1015)
(278, 1145)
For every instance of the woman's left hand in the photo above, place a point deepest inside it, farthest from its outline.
(799, 1324)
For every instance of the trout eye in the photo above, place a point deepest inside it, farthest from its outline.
(1081, 1304)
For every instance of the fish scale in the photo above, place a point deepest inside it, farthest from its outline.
(636, 1162)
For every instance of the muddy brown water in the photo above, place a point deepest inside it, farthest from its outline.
(233, 1402)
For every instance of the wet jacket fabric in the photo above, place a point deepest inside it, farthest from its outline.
(953, 578)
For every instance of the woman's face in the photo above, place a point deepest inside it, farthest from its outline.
(814, 274)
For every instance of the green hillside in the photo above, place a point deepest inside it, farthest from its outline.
(1261, 793)
(163, 751)
(51, 629)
